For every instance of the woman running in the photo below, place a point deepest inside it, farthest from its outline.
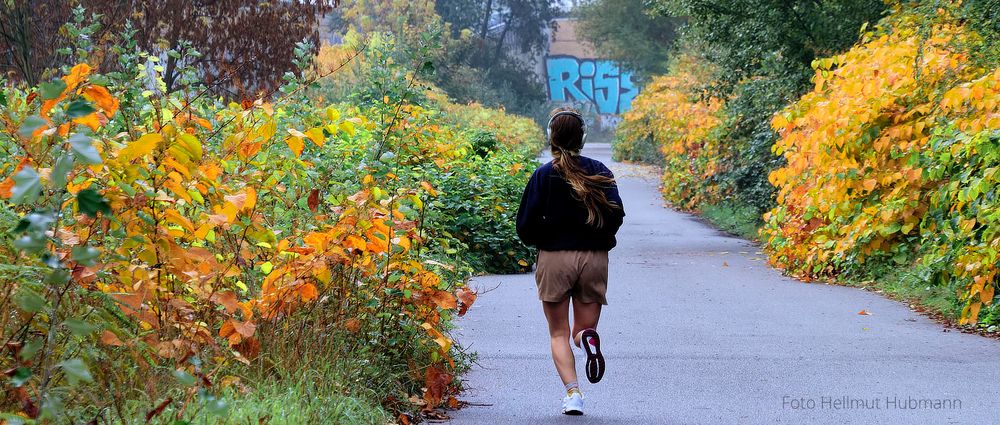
(571, 211)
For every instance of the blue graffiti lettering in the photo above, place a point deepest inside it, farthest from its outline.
(596, 81)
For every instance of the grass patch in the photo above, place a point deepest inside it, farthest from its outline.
(312, 399)
(907, 285)
(740, 220)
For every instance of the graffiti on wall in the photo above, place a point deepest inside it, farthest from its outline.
(595, 81)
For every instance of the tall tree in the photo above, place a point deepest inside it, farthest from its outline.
(749, 37)
(626, 32)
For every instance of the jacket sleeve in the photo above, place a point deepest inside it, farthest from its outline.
(617, 216)
(529, 213)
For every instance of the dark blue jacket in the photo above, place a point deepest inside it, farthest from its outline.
(552, 219)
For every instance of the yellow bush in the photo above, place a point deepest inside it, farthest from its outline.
(866, 148)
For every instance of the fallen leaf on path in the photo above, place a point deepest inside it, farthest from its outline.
(725, 264)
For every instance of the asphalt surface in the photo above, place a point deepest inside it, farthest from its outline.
(700, 330)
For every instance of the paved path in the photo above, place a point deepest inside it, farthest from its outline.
(701, 331)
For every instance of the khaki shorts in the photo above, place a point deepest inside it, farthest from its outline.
(582, 275)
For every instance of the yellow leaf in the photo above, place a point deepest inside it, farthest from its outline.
(295, 144)
(202, 231)
(251, 198)
(192, 144)
(348, 127)
(173, 216)
(89, 120)
(332, 114)
(143, 146)
(316, 135)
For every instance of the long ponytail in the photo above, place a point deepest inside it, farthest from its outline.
(566, 139)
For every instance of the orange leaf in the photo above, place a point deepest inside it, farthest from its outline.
(227, 299)
(109, 338)
(235, 331)
(6, 188)
(436, 382)
(249, 347)
(352, 325)
(428, 188)
(102, 98)
(466, 298)
(444, 299)
(353, 241)
(76, 75)
(308, 292)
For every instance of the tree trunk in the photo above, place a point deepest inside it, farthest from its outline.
(486, 20)
(503, 35)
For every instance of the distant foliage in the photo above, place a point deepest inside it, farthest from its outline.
(626, 32)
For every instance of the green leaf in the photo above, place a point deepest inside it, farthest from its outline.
(58, 277)
(184, 378)
(27, 186)
(60, 171)
(20, 376)
(79, 108)
(90, 203)
(266, 267)
(29, 244)
(52, 89)
(39, 221)
(79, 327)
(85, 255)
(76, 371)
(29, 349)
(31, 124)
(28, 300)
(214, 405)
(82, 146)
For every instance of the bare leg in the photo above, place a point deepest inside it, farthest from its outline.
(585, 315)
(557, 315)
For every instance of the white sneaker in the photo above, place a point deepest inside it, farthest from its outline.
(573, 404)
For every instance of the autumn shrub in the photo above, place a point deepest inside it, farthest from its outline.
(890, 160)
(170, 252)
(675, 115)
(477, 158)
(518, 134)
